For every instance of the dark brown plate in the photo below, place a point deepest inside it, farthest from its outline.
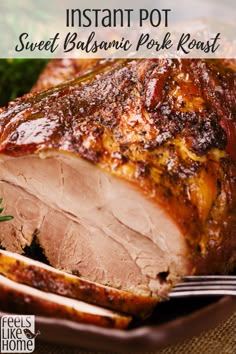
(171, 322)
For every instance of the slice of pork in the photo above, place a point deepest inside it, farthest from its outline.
(43, 277)
(19, 298)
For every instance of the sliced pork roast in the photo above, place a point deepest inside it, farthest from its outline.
(20, 298)
(26, 271)
(126, 175)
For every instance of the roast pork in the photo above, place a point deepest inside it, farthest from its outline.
(26, 271)
(126, 175)
(19, 298)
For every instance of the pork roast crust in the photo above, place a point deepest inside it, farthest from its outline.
(166, 126)
(20, 298)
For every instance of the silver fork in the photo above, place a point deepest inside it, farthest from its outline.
(205, 285)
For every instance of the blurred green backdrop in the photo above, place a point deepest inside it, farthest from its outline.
(17, 76)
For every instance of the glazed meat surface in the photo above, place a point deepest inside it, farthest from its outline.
(126, 175)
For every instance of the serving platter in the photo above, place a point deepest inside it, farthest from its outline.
(172, 322)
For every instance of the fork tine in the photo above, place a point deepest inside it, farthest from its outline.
(209, 277)
(206, 292)
(204, 287)
(197, 285)
(207, 283)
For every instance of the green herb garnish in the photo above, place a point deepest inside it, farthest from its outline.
(4, 217)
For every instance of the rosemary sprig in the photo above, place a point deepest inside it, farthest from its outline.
(4, 217)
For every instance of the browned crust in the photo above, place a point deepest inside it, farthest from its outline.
(168, 126)
(17, 301)
(24, 272)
